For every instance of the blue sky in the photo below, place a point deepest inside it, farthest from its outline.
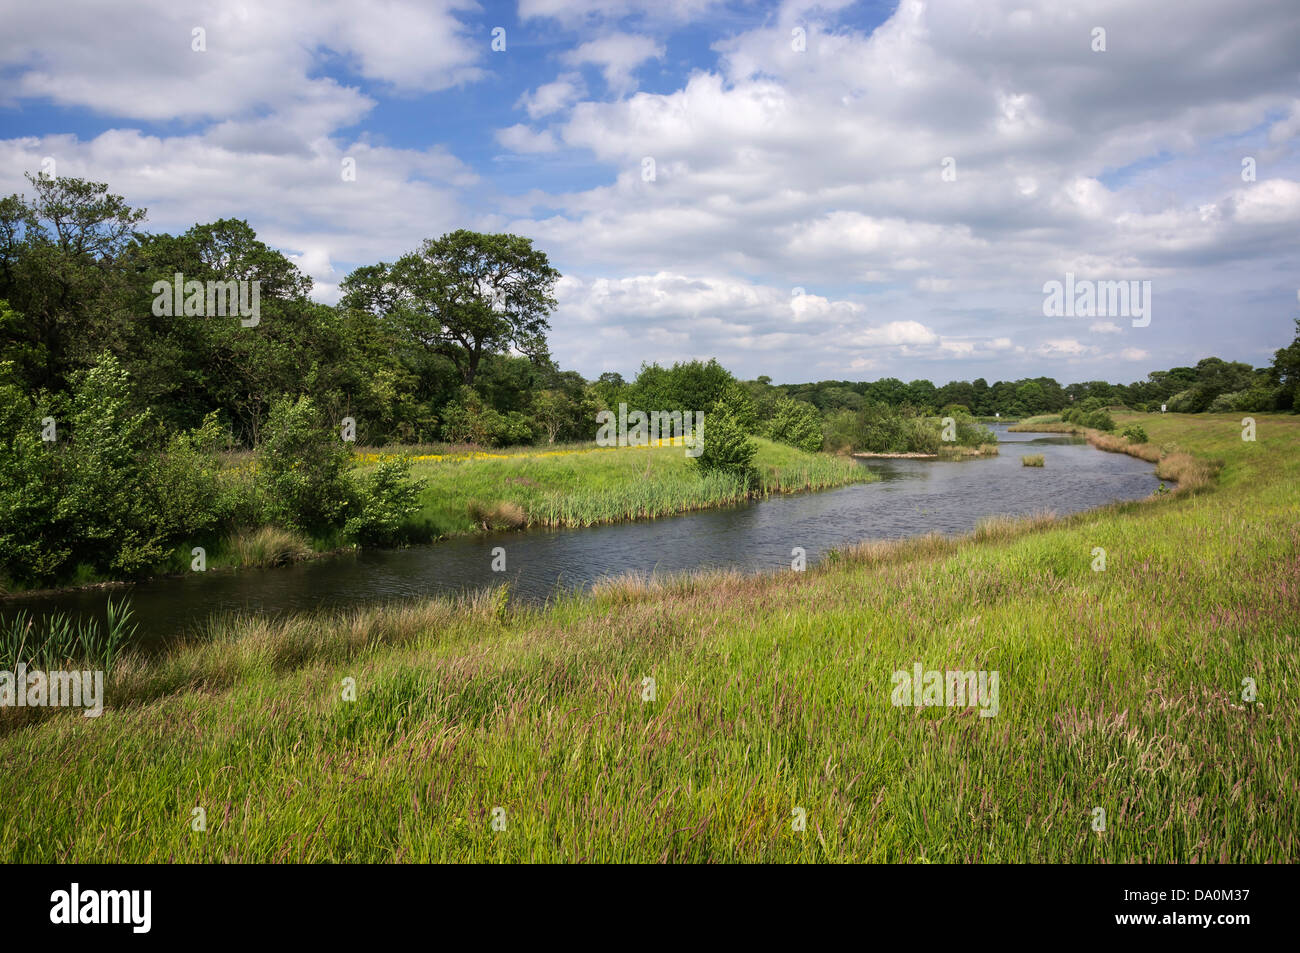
(799, 224)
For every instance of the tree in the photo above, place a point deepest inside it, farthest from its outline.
(464, 295)
(553, 409)
(797, 424)
(60, 256)
(1285, 373)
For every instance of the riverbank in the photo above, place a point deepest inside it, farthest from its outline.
(470, 491)
(1120, 688)
(593, 486)
(945, 453)
(1190, 473)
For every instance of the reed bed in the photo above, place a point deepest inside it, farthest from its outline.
(604, 486)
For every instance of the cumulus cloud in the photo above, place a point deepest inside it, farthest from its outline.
(248, 58)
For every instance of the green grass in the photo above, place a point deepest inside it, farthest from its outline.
(584, 486)
(1031, 460)
(1120, 689)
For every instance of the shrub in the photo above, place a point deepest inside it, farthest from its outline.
(736, 403)
(386, 498)
(1134, 434)
(1099, 420)
(111, 492)
(467, 420)
(971, 433)
(795, 423)
(304, 466)
(726, 448)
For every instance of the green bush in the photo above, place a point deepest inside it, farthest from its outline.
(304, 464)
(727, 449)
(736, 403)
(468, 420)
(970, 432)
(386, 497)
(1134, 434)
(1099, 420)
(795, 423)
(111, 492)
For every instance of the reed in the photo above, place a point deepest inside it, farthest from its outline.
(58, 639)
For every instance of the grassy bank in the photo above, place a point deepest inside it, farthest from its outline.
(584, 486)
(469, 490)
(1048, 423)
(1120, 689)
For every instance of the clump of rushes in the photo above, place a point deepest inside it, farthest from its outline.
(1032, 460)
(269, 546)
(495, 516)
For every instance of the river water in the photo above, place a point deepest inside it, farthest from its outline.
(912, 497)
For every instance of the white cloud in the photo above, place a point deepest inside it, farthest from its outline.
(617, 55)
(553, 97)
(520, 138)
(257, 57)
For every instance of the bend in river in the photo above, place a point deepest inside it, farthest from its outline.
(912, 497)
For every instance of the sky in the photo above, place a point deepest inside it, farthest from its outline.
(805, 190)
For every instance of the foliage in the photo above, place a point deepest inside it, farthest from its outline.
(304, 464)
(468, 420)
(727, 449)
(795, 423)
(388, 497)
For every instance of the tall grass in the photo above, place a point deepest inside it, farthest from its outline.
(268, 546)
(1032, 460)
(572, 488)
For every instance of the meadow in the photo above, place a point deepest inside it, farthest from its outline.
(699, 719)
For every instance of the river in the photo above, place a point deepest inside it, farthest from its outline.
(912, 497)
